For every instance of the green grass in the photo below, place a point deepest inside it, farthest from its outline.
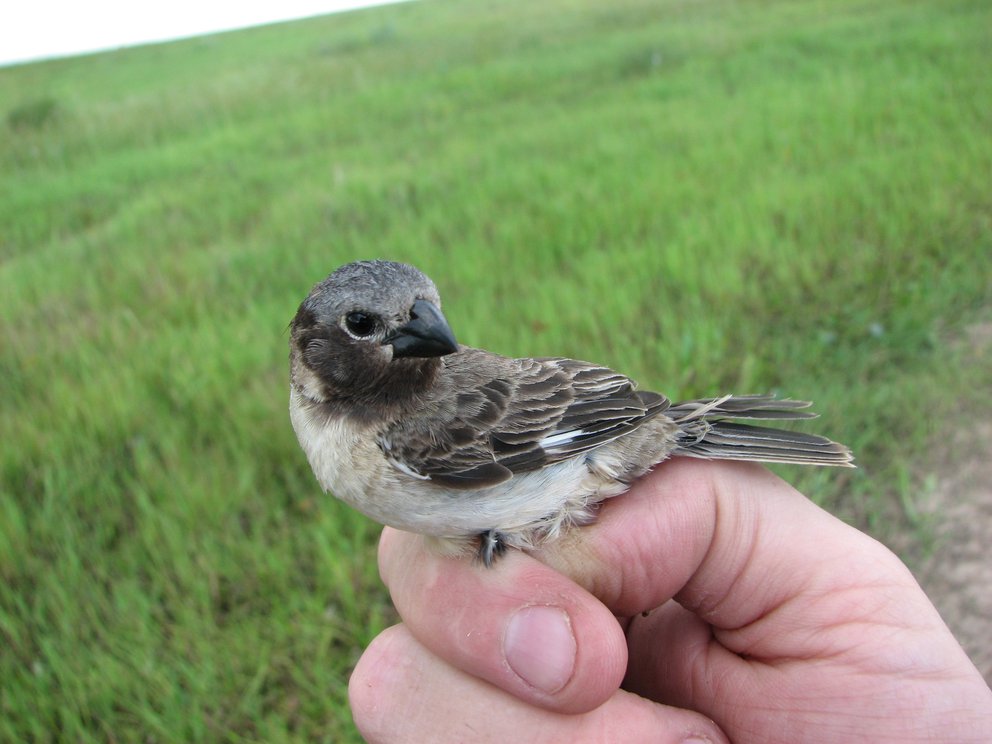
(710, 196)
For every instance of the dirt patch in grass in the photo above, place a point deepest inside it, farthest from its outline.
(957, 573)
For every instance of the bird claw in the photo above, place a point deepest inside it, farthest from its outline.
(491, 546)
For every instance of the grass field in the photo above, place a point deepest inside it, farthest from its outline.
(710, 196)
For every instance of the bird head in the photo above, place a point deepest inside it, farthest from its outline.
(370, 329)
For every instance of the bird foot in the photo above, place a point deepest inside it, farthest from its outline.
(491, 547)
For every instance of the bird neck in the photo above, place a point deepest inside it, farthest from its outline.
(398, 391)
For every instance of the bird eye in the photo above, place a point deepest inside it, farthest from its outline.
(360, 324)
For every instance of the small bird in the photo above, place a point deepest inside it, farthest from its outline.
(482, 451)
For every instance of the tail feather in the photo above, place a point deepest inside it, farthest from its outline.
(743, 406)
(705, 432)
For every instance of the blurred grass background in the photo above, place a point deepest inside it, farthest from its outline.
(709, 196)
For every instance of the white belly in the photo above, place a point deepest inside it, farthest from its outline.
(347, 461)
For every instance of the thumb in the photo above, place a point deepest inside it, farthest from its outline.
(521, 625)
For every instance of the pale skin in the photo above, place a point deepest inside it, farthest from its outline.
(768, 620)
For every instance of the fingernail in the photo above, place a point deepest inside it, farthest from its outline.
(539, 646)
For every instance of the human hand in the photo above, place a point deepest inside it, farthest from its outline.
(787, 626)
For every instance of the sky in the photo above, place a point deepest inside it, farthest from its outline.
(39, 29)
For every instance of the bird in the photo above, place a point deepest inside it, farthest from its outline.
(480, 452)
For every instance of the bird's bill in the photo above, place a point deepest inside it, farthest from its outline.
(426, 334)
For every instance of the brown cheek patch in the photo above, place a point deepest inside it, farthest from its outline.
(304, 319)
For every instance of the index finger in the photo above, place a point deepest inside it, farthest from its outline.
(728, 541)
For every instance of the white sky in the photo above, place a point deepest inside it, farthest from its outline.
(36, 29)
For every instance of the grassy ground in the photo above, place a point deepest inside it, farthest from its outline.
(710, 196)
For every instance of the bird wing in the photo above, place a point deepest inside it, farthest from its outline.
(491, 417)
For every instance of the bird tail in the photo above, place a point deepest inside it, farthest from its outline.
(706, 432)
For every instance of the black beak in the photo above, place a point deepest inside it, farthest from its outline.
(426, 334)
